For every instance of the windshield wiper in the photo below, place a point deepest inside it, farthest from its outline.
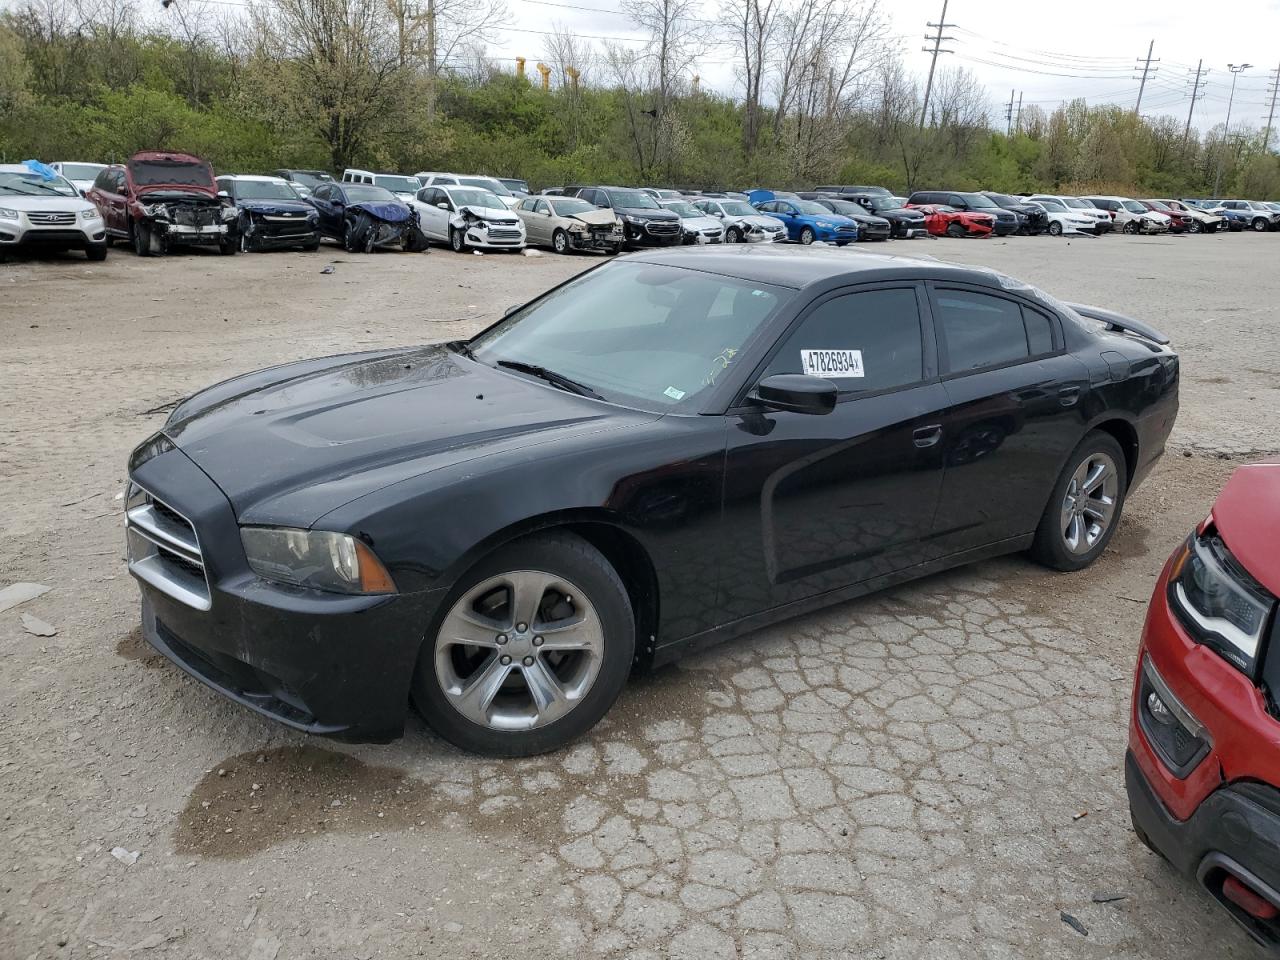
(558, 379)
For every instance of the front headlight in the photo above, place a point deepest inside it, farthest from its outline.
(315, 558)
(825, 225)
(153, 446)
(638, 221)
(1218, 602)
(577, 228)
(8, 213)
(155, 210)
(90, 214)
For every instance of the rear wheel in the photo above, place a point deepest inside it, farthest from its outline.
(532, 648)
(560, 241)
(807, 236)
(1085, 505)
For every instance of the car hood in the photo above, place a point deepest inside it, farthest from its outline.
(290, 444)
(900, 213)
(383, 210)
(48, 203)
(275, 206)
(597, 218)
(647, 213)
(194, 191)
(1247, 515)
(702, 223)
(500, 214)
(760, 220)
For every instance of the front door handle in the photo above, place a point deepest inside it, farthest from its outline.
(1068, 396)
(927, 436)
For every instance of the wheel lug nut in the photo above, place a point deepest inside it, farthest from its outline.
(502, 638)
(537, 641)
(520, 627)
(527, 661)
(504, 660)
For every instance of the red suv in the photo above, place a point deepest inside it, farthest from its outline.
(1203, 766)
(158, 200)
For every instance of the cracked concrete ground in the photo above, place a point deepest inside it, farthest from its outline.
(934, 771)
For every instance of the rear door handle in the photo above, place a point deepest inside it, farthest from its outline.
(1067, 396)
(927, 436)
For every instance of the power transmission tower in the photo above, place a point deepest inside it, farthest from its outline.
(1146, 68)
(1236, 69)
(938, 39)
(1008, 115)
(1196, 86)
(1273, 90)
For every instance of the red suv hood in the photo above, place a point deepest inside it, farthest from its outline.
(1247, 515)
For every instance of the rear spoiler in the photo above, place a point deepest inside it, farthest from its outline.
(1118, 321)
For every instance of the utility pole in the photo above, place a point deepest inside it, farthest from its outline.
(938, 40)
(1008, 115)
(1017, 120)
(1271, 114)
(1236, 70)
(1146, 68)
(1196, 86)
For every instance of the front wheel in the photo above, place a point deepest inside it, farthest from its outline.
(457, 241)
(96, 251)
(1085, 505)
(560, 242)
(955, 230)
(807, 236)
(1131, 227)
(1259, 224)
(140, 234)
(733, 235)
(1055, 228)
(246, 244)
(532, 648)
(1194, 227)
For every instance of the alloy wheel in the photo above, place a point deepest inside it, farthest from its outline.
(519, 650)
(560, 241)
(807, 236)
(1089, 505)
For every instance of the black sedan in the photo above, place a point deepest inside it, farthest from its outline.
(905, 222)
(1037, 221)
(670, 449)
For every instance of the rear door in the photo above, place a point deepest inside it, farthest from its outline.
(322, 198)
(435, 221)
(1015, 411)
(816, 503)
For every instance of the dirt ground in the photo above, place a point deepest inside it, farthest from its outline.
(934, 771)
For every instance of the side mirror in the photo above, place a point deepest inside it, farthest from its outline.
(796, 393)
(443, 206)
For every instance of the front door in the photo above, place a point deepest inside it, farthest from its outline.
(815, 503)
(1016, 400)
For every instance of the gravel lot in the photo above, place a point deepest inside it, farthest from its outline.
(932, 771)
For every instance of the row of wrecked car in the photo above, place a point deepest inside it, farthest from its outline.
(158, 201)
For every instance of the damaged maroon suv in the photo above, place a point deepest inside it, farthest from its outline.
(1203, 767)
(157, 201)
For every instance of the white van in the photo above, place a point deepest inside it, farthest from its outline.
(403, 187)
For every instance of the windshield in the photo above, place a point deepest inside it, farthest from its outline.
(655, 337)
(310, 179)
(846, 207)
(397, 184)
(186, 173)
(1078, 204)
(811, 208)
(632, 198)
(34, 185)
(570, 206)
(1050, 204)
(884, 203)
(999, 199)
(1133, 206)
(1162, 207)
(738, 208)
(466, 197)
(363, 193)
(512, 184)
(486, 183)
(979, 202)
(686, 210)
(81, 171)
(263, 190)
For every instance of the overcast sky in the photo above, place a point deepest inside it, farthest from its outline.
(1031, 47)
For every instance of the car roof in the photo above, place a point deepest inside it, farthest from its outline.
(802, 268)
(251, 176)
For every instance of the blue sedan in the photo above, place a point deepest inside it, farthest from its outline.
(805, 220)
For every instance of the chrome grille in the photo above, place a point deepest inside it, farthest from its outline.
(662, 228)
(51, 219)
(164, 549)
(504, 233)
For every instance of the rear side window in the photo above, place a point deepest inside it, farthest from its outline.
(864, 341)
(979, 331)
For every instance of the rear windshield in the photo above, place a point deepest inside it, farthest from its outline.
(81, 171)
(363, 193)
(151, 173)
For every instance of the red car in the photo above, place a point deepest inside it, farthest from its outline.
(947, 221)
(1203, 765)
(1179, 222)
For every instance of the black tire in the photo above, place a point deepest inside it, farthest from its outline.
(1260, 224)
(229, 247)
(1131, 227)
(140, 235)
(956, 230)
(348, 236)
(457, 240)
(247, 244)
(807, 236)
(1195, 227)
(560, 242)
(563, 555)
(1049, 547)
(96, 252)
(733, 235)
(313, 246)
(1055, 228)
(618, 248)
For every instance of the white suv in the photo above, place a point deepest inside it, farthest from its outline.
(1129, 216)
(492, 184)
(41, 210)
(403, 187)
(1081, 208)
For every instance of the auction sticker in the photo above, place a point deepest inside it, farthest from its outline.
(832, 363)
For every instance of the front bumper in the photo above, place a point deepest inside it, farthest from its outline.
(192, 234)
(23, 234)
(595, 240)
(508, 238)
(903, 230)
(875, 233)
(663, 234)
(285, 232)
(323, 663)
(703, 236)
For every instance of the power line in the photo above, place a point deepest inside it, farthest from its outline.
(1146, 68)
(1196, 87)
(937, 39)
(1275, 88)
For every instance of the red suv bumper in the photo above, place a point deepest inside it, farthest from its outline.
(1202, 772)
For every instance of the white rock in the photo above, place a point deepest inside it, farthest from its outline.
(124, 856)
(37, 627)
(17, 593)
